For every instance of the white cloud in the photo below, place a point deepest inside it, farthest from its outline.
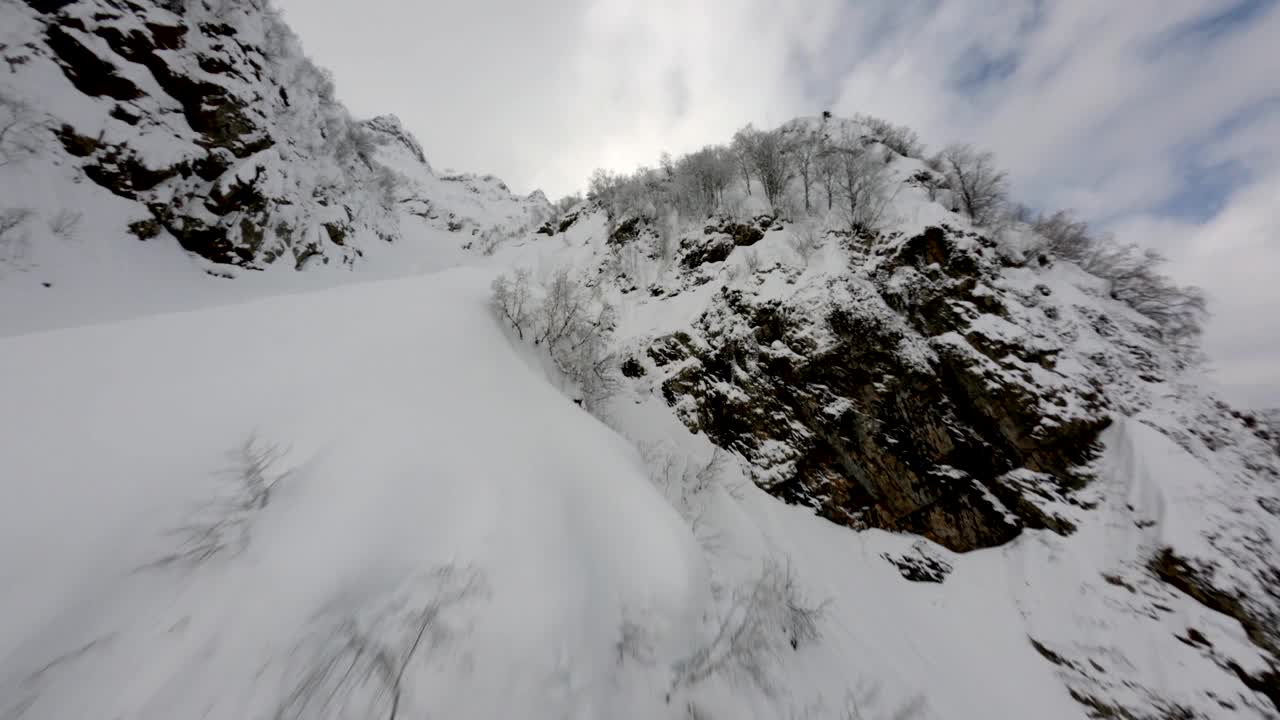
(1114, 108)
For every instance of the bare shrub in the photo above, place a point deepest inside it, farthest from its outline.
(764, 616)
(772, 164)
(862, 704)
(512, 298)
(1133, 275)
(222, 526)
(573, 324)
(1065, 235)
(634, 643)
(19, 123)
(979, 187)
(743, 148)
(489, 241)
(751, 260)
(805, 240)
(66, 224)
(899, 138)
(13, 240)
(356, 662)
(1135, 279)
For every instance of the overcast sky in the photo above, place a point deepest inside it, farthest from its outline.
(1156, 119)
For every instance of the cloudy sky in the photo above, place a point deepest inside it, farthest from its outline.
(1157, 119)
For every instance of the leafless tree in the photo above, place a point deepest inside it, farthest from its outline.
(701, 178)
(978, 185)
(743, 149)
(806, 148)
(512, 298)
(861, 186)
(573, 324)
(827, 169)
(1065, 235)
(771, 160)
(1134, 277)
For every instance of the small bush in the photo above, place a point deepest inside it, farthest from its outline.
(19, 127)
(1065, 236)
(66, 224)
(1133, 275)
(573, 324)
(223, 525)
(764, 617)
(901, 139)
(358, 663)
(513, 300)
(13, 239)
(805, 240)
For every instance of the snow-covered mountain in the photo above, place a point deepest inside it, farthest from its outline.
(416, 445)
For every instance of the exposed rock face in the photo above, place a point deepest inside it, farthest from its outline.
(901, 397)
(938, 384)
(213, 121)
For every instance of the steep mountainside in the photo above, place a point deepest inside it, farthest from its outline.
(209, 120)
(922, 470)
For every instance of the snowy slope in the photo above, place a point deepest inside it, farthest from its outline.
(425, 440)
(389, 438)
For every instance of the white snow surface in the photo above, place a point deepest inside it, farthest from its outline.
(421, 436)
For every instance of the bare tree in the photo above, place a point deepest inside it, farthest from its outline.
(861, 185)
(701, 179)
(805, 151)
(573, 324)
(1065, 235)
(743, 149)
(979, 186)
(771, 159)
(513, 301)
(827, 169)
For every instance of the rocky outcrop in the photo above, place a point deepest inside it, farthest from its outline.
(906, 396)
(213, 121)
